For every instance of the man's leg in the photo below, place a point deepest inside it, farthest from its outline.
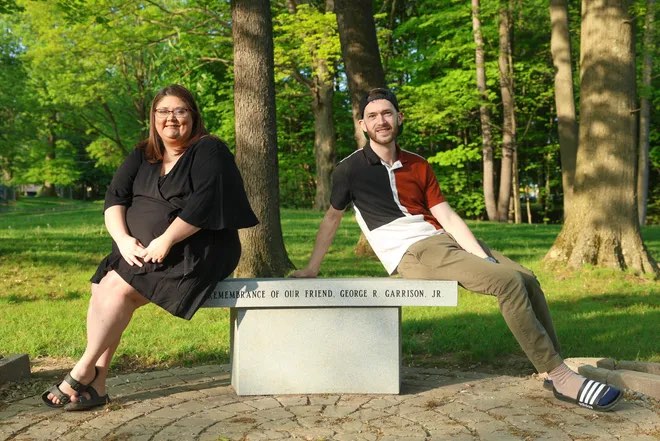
(521, 302)
(534, 293)
(441, 258)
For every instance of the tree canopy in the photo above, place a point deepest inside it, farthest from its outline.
(78, 76)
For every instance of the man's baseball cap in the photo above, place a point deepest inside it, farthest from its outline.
(378, 94)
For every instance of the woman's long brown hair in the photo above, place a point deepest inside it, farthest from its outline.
(153, 145)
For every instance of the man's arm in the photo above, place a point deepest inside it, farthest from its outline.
(454, 225)
(324, 238)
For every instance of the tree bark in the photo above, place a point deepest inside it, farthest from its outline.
(48, 188)
(603, 227)
(359, 47)
(508, 112)
(645, 113)
(324, 134)
(323, 93)
(264, 254)
(560, 46)
(484, 116)
(515, 190)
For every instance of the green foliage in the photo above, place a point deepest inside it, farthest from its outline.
(8, 7)
(85, 71)
(111, 58)
(295, 140)
(307, 53)
(653, 208)
(458, 178)
(60, 170)
(103, 151)
(302, 39)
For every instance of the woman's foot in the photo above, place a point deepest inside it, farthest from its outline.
(69, 389)
(98, 384)
(93, 396)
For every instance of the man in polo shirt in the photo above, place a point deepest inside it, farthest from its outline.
(415, 233)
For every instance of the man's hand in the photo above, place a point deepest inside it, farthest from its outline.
(131, 250)
(305, 273)
(324, 237)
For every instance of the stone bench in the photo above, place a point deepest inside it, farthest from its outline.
(315, 336)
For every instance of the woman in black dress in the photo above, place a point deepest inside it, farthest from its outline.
(173, 210)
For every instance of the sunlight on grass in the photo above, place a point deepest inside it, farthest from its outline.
(50, 248)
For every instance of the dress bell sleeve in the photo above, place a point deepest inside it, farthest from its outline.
(218, 200)
(120, 191)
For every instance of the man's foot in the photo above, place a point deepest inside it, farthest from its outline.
(593, 395)
(68, 390)
(565, 380)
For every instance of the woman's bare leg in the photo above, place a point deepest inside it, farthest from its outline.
(111, 307)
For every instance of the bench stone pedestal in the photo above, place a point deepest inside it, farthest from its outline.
(316, 350)
(14, 367)
(320, 336)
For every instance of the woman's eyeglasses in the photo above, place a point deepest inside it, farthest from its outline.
(179, 112)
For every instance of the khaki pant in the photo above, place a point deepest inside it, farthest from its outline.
(518, 292)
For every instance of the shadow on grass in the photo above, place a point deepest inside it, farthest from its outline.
(43, 244)
(14, 299)
(623, 327)
(184, 357)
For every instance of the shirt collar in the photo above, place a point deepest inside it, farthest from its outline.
(374, 159)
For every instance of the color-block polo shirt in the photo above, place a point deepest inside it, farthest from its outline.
(392, 203)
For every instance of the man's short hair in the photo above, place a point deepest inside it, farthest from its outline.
(379, 93)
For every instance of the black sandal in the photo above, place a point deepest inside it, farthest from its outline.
(64, 398)
(593, 395)
(83, 403)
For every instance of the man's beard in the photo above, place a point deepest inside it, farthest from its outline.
(383, 138)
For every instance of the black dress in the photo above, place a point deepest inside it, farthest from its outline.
(205, 189)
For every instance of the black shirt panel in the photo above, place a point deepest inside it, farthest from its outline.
(361, 178)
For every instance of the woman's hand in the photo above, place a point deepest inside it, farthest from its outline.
(158, 249)
(131, 250)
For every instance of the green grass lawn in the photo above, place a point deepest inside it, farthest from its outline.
(49, 248)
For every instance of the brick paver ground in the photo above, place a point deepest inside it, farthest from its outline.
(199, 404)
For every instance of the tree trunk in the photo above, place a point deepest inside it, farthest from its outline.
(321, 88)
(359, 47)
(528, 206)
(508, 112)
(324, 128)
(48, 188)
(603, 227)
(515, 190)
(264, 254)
(291, 6)
(560, 46)
(324, 134)
(547, 198)
(484, 115)
(645, 113)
